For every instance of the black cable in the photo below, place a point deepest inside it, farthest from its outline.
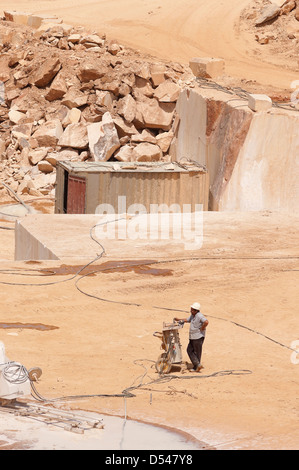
(77, 273)
(194, 258)
(127, 393)
(153, 262)
(242, 94)
(16, 196)
(64, 280)
(177, 310)
(161, 262)
(234, 323)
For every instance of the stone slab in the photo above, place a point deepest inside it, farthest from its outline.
(207, 67)
(75, 237)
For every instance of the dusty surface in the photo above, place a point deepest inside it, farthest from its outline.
(112, 433)
(178, 31)
(245, 275)
(247, 278)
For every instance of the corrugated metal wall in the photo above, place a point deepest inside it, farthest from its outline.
(138, 187)
(148, 189)
(59, 189)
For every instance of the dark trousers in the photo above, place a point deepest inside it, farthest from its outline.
(194, 351)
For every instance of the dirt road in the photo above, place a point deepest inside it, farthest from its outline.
(175, 31)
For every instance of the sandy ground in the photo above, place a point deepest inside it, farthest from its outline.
(177, 31)
(245, 277)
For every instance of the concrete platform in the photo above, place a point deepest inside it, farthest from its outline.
(219, 234)
(118, 434)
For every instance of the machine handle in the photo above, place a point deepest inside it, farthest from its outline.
(158, 334)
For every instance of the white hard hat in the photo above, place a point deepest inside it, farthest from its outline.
(196, 306)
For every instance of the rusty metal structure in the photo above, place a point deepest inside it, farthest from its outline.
(82, 186)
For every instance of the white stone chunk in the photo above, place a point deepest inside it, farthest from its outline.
(207, 67)
(259, 102)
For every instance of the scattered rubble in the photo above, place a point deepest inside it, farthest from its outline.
(72, 94)
(267, 14)
(274, 24)
(257, 102)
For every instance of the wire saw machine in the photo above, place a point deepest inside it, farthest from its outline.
(15, 380)
(171, 344)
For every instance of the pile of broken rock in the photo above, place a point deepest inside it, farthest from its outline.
(68, 94)
(274, 22)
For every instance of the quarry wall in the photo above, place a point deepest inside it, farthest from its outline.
(251, 157)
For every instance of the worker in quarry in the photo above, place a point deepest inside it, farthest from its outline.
(197, 333)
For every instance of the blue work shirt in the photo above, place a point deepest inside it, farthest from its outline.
(196, 322)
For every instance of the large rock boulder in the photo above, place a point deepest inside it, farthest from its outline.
(125, 154)
(167, 92)
(146, 152)
(126, 107)
(74, 136)
(48, 134)
(92, 70)
(46, 72)
(155, 115)
(103, 138)
(267, 14)
(57, 89)
(74, 98)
